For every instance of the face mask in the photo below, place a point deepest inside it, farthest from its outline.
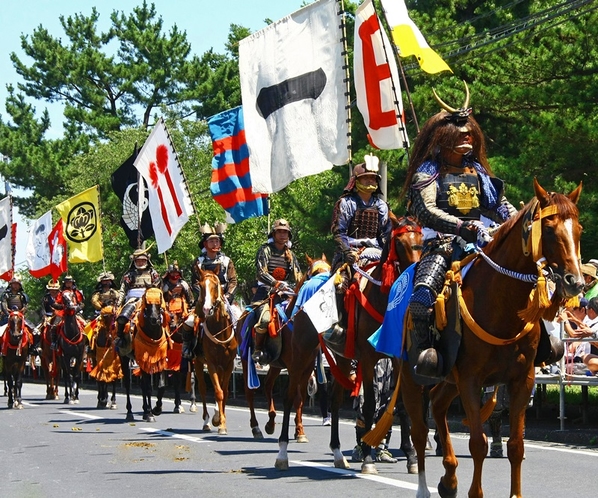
(365, 188)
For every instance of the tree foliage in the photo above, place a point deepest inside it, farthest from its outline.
(530, 65)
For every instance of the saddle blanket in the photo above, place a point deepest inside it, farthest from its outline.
(388, 339)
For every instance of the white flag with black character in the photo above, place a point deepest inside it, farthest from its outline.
(293, 92)
(6, 245)
(321, 307)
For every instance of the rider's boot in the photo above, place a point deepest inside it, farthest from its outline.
(259, 355)
(429, 361)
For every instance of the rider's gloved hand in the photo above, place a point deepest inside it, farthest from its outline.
(469, 231)
(282, 286)
(351, 257)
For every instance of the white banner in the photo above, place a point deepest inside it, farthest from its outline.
(377, 83)
(169, 200)
(6, 246)
(38, 247)
(321, 307)
(293, 93)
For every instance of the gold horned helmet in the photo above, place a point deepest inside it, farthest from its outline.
(456, 116)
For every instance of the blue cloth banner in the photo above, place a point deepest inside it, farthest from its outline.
(388, 339)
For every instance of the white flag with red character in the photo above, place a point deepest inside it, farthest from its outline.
(377, 82)
(169, 200)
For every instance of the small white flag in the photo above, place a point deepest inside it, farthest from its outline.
(321, 307)
(38, 248)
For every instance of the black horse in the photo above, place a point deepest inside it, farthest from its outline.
(15, 349)
(71, 347)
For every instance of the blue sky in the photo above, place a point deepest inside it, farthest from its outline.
(205, 22)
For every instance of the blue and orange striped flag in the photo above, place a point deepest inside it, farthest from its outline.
(231, 181)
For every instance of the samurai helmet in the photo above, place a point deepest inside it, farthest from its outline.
(457, 116)
(215, 231)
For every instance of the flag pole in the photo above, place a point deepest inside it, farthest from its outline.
(12, 229)
(345, 54)
(401, 70)
(102, 237)
(140, 196)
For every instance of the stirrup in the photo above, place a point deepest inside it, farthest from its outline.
(260, 357)
(429, 364)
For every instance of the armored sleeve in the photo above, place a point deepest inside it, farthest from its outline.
(96, 302)
(4, 304)
(231, 280)
(385, 226)
(261, 265)
(341, 218)
(189, 297)
(423, 195)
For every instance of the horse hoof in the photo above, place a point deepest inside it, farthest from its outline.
(216, 419)
(444, 492)
(178, 409)
(113, 406)
(269, 428)
(130, 417)
(257, 433)
(341, 463)
(50, 396)
(11, 406)
(206, 428)
(193, 408)
(369, 468)
(157, 411)
(302, 439)
(19, 406)
(76, 401)
(281, 464)
(149, 418)
(412, 468)
(222, 431)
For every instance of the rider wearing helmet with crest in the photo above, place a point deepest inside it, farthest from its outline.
(360, 220)
(277, 270)
(78, 301)
(13, 298)
(450, 187)
(213, 259)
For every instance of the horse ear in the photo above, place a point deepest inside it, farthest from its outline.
(309, 260)
(574, 196)
(324, 257)
(541, 194)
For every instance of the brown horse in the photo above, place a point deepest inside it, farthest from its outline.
(403, 248)
(71, 347)
(50, 361)
(107, 369)
(15, 349)
(501, 331)
(217, 346)
(315, 267)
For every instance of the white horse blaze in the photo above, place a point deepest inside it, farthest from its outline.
(573, 249)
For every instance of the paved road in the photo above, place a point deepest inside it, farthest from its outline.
(51, 450)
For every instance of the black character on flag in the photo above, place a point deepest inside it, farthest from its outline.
(124, 183)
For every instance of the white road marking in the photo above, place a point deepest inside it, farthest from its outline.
(173, 434)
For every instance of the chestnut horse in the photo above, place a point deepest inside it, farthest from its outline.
(217, 346)
(315, 267)
(71, 347)
(501, 331)
(15, 349)
(107, 369)
(403, 248)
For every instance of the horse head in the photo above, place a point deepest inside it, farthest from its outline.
(406, 240)
(559, 239)
(211, 299)
(16, 322)
(70, 301)
(316, 266)
(153, 308)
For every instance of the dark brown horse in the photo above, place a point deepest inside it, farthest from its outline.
(501, 331)
(150, 348)
(315, 267)
(107, 367)
(71, 347)
(217, 346)
(402, 249)
(50, 361)
(15, 349)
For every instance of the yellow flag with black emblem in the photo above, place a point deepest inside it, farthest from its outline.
(82, 229)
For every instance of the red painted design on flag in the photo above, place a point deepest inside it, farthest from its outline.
(162, 158)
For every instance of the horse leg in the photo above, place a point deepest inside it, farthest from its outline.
(157, 410)
(406, 445)
(282, 459)
(271, 377)
(146, 383)
(300, 436)
(192, 380)
(336, 400)
(218, 419)
(102, 394)
(9, 386)
(19, 387)
(113, 405)
(442, 396)
(368, 409)
(519, 394)
(177, 379)
(126, 367)
(202, 389)
(249, 396)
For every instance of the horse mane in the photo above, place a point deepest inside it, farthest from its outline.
(565, 209)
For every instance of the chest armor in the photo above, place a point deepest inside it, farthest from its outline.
(459, 194)
(219, 266)
(279, 261)
(364, 224)
(108, 297)
(141, 280)
(15, 301)
(48, 302)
